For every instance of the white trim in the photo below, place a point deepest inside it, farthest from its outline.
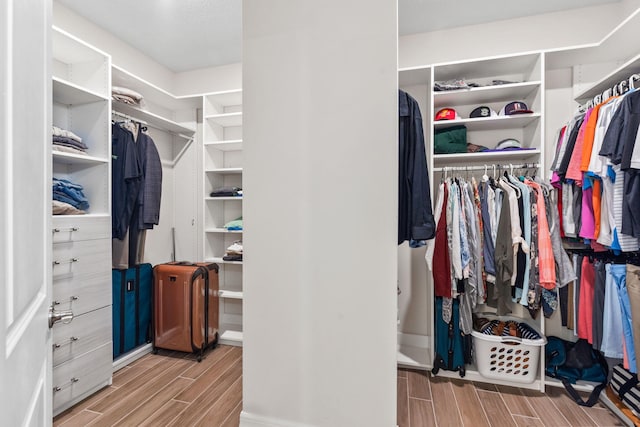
(16, 330)
(248, 419)
(8, 169)
(36, 397)
(133, 355)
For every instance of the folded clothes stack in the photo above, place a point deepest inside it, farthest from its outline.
(234, 225)
(67, 141)
(234, 252)
(226, 191)
(69, 193)
(127, 96)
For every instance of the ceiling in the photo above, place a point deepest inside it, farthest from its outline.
(190, 34)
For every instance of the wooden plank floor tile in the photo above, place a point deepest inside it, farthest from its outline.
(495, 409)
(571, 411)
(209, 396)
(168, 412)
(82, 419)
(128, 373)
(516, 401)
(156, 401)
(233, 420)
(527, 422)
(211, 358)
(79, 407)
(217, 368)
(402, 373)
(485, 386)
(421, 413)
(403, 403)
(446, 414)
(419, 385)
(603, 417)
(545, 409)
(469, 404)
(223, 407)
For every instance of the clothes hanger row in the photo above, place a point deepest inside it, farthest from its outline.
(485, 168)
(126, 117)
(616, 90)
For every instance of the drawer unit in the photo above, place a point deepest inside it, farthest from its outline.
(77, 228)
(83, 334)
(82, 275)
(87, 373)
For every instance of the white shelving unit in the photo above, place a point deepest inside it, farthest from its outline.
(82, 349)
(526, 72)
(222, 166)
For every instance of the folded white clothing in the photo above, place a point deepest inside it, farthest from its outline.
(62, 208)
(56, 147)
(236, 247)
(118, 90)
(66, 133)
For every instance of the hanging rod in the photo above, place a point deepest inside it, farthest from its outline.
(615, 90)
(128, 117)
(486, 167)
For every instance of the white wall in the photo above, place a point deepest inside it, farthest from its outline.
(320, 134)
(547, 31)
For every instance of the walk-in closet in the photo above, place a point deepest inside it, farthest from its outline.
(440, 204)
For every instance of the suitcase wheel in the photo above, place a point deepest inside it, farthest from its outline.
(155, 350)
(463, 372)
(435, 370)
(199, 358)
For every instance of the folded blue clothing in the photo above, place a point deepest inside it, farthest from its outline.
(63, 197)
(67, 190)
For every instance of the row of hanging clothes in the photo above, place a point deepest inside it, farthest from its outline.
(136, 188)
(596, 170)
(497, 242)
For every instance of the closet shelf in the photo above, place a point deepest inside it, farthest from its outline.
(153, 119)
(226, 119)
(222, 230)
(65, 92)
(483, 95)
(472, 374)
(414, 76)
(623, 72)
(520, 65)
(230, 145)
(77, 159)
(226, 98)
(486, 157)
(225, 171)
(223, 198)
(219, 260)
(230, 294)
(517, 121)
(153, 94)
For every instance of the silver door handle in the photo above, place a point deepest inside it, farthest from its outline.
(55, 316)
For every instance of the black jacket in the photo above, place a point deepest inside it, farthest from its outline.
(415, 215)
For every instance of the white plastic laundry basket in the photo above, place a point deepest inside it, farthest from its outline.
(507, 358)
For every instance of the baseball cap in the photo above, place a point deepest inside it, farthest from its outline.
(446, 114)
(515, 107)
(482, 111)
(508, 144)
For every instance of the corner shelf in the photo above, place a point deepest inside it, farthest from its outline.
(219, 260)
(222, 230)
(225, 171)
(485, 94)
(231, 145)
(223, 199)
(226, 119)
(68, 93)
(77, 159)
(154, 119)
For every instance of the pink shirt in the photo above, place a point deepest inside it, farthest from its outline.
(587, 287)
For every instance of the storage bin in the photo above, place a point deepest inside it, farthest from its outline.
(507, 358)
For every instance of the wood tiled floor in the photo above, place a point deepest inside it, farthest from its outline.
(425, 400)
(172, 389)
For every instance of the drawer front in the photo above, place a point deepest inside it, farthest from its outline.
(83, 334)
(80, 227)
(78, 376)
(82, 279)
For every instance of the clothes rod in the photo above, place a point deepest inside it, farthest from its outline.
(487, 167)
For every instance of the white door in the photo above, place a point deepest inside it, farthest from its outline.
(25, 187)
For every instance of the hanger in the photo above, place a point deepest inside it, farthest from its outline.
(632, 79)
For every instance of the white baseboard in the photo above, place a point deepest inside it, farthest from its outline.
(252, 420)
(414, 350)
(132, 356)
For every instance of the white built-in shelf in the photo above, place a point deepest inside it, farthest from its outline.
(153, 94)
(485, 94)
(77, 159)
(225, 171)
(472, 374)
(223, 199)
(498, 67)
(230, 145)
(226, 98)
(612, 47)
(65, 92)
(230, 337)
(87, 216)
(219, 260)
(621, 73)
(414, 76)
(487, 157)
(222, 230)
(516, 121)
(226, 119)
(153, 119)
(230, 294)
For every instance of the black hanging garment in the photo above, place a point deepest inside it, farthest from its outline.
(415, 215)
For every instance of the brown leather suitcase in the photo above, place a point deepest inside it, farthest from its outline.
(185, 306)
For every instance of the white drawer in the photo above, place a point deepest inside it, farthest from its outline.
(78, 376)
(84, 284)
(80, 227)
(83, 334)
